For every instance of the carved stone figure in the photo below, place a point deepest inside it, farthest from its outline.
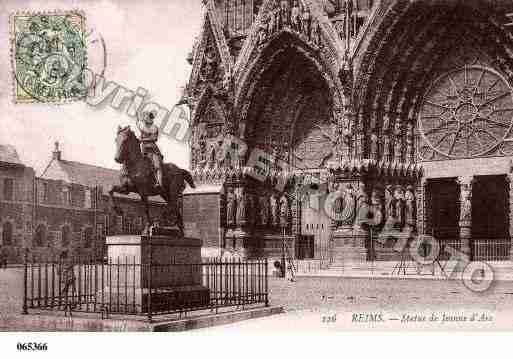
(362, 205)
(374, 146)
(466, 200)
(410, 215)
(284, 13)
(274, 210)
(208, 72)
(284, 211)
(338, 204)
(264, 30)
(231, 208)
(398, 148)
(389, 202)
(295, 16)
(386, 148)
(377, 206)
(306, 20)
(264, 210)
(241, 207)
(317, 35)
(399, 204)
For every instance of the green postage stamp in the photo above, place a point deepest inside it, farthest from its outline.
(49, 56)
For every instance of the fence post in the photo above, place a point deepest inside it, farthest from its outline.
(266, 283)
(25, 278)
(150, 279)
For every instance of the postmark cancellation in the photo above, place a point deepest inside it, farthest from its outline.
(48, 56)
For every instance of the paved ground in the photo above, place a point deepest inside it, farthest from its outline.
(11, 290)
(310, 298)
(314, 304)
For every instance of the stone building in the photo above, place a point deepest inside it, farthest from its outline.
(393, 105)
(66, 208)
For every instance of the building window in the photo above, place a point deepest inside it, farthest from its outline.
(9, 189)
(66, 236)
(46, 193)
(40, 236)
(66, 196)
(100, 232)
(7, 234)
(87, 199)
(88, 237)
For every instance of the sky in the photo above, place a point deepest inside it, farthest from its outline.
(147, 43)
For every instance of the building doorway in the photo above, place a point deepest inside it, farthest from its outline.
(443, 211)
(490, 237)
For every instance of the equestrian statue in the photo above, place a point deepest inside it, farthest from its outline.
(143, 171)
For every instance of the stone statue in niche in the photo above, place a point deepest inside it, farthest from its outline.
(202, 145)
(242, 202)
(264, 210)
(410, 215)
(386, 148)
(377, 206)
(317, 34)
(295, 16)
(306, 21)
(346, 77)
(275, 208)
(284, 211)
(398, 150)
(274, 21)
(389, 203)
(362, 205)
(264, 30)
(217, 148)
(374, 146)
(208, 72)
(386, 122)
(466, 201)
(399, 204)
(231, 208)
(284, 13)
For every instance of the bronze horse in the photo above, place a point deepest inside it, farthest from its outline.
(138, 177)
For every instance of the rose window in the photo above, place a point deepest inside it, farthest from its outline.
(466, 113)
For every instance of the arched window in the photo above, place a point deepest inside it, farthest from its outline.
(7, 234)
(65, 236)
(40, 236)
(88, 237)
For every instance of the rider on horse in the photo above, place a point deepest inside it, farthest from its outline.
(149, 136)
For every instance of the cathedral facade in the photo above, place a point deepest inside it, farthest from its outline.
(399, 110)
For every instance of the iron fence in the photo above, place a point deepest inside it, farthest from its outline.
(126, 286)
(490, 250)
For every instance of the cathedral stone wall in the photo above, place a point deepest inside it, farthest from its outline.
(382, 99)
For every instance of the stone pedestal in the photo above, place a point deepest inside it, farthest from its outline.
(241, 243)
(176, 272)
(349, 246)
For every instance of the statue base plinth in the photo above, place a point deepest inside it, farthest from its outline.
(172, 264)
(349, 247)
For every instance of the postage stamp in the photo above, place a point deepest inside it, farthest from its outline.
(49, 56)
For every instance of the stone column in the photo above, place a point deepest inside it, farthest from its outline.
(421, 207)
(510, 182)
(465, 222)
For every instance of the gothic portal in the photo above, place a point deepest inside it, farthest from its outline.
(369, 117)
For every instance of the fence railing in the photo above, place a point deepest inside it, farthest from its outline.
(125, 286)
(490, 250)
